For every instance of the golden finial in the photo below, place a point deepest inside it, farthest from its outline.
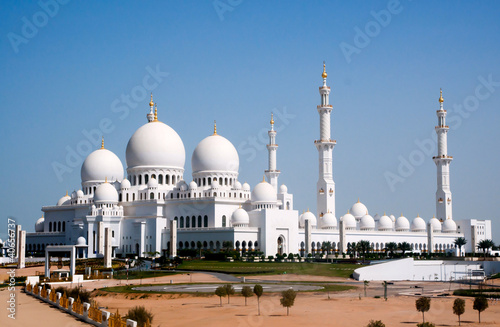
(307, 209)
(347, 211)
(102, 143)
(418, 215)
(66, 193)
(384, 214)
(263, 178)
(358, 200)
(215, 127)
(441, 96)
(401, 214)
(324, 75)
(156, 114)
(433, 216)
(272, 119)
(240, 205)
(106, 179)
(151, 103)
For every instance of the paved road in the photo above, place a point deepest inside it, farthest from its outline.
(210, 288)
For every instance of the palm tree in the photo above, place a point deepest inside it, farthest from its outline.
(459, 242)
(485, 245)
(363, 247)
(391, 247)
(227, 245)
(199, 245)
(404, 246)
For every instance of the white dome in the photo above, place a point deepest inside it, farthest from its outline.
(65, 200)
(310, 216)
(155, 144)
(215, 153)
(349, 220)
(246, 187)
(283, 189)
(418, 225)
(392, 218)
(101, 164)
(182, 186)
(435, 224)
(105, 193)
(263, 192)
(367, 222)
(402, 224)
(237, 185)
(81, 241)
(73, 195)
(384, 223)
(376, 217)
(39, 225)
(358, 210)
(79, 194)
(125, 184)
(328, 221)
(449, 226)
(152, 183)
(193, 185)
(240, 217)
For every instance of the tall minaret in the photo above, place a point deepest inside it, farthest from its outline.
(272, 174)
(443, 160)
(326, 185)
(151, 115)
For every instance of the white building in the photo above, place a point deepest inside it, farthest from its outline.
(215, 207)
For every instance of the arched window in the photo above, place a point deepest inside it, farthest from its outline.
(135, 180)
(180, 245)
(151, 196)
(199, 221)
(146, 179)
(153, 176)
(237, 244)
(133, 197)
(186, 244)
(204, 181)
(50, 227)
(120, 197)
(225, 181)
(193, 222)
(160, 179)
(59, 226)
(140, 179)
(224, 221)
(220, 181)
(187, 222)
(181, 224)
(173, 180)
(167, 179)
(126, 196)
(64, 226)
(193, 245)
(288, 205)
(205, 221)
(211, 245)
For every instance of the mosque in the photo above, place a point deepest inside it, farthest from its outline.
(215, 206)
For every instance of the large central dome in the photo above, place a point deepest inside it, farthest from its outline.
(155, 144)
(215, 154)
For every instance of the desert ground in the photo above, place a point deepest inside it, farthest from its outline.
(348, 308)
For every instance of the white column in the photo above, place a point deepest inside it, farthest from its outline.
(100, 237)
(173, 238)
(107, 248)
(272, 173)
(21, 249)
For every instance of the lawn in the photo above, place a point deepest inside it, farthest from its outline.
(271, 268)
(122, 274)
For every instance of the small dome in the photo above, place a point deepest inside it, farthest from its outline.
(101, 164)
(193, 185)
(328, 221)
(125, 184)
(73, 195)
(65, 200)
(349, 221)
(283, 189)
(376, 217)
(79, 194)
(309, 216)
(384, 223)
(240, 218)
(237, 185)
(152, 183)
(392, 218)
(39, 225)
(418, 225)
(81, 241)
(215, 184)
(402, 224)
(358, 210)
(215, 154)
(367, 223)
(182, 186)
(435, 224)
(263, 192)
(105, 193)
(246, 187)
(449, 226)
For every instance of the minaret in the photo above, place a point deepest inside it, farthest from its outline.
(443, 160)
(151, 115)
(272, 174)
(326, 185)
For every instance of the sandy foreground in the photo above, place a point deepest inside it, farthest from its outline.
(310, 309)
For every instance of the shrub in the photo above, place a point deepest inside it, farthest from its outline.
(375, 323)
(426, 324)
(141, 315)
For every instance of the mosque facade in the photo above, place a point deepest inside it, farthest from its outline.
(138, 205)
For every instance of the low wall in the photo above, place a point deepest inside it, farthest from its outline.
(88, 313)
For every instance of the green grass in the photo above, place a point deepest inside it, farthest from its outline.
(141, 274)
(271, 268)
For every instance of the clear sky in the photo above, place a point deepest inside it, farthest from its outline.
(77, 69)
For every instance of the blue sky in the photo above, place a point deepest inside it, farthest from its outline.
(68, 70)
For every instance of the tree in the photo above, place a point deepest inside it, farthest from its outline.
(220, 292)
(459, 243)
(227, 245)
(199, 246)
(404, 246)
(459, 308)
(423, 305)
(258, 290)
(375, 323)
(385, 290)
(366, 283)
(391, 247)
(288, 298)
(485, 245)
(141, 315)
(229, 291)
(480, 304)
(363, 247)
(246, 291)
